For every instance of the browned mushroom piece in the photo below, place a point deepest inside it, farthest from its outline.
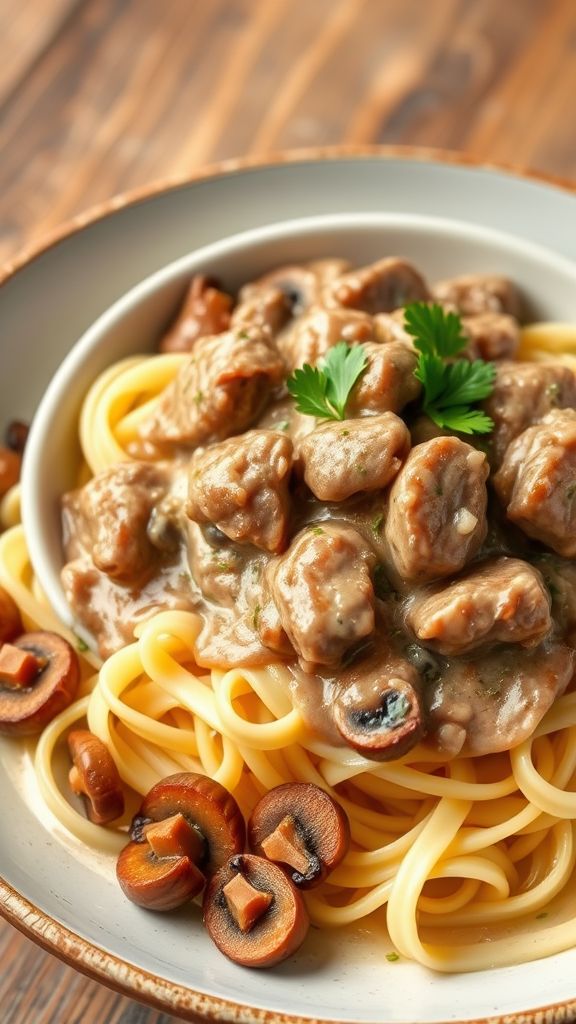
(94, 775)
(253, 912)
(16, 435)
(188, 826)
(301, 826)
(10, 466)
(205, 311)
(39, 676)
(384, 722)
(10, 621)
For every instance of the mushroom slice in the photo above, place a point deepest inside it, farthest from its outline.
(10, 621)
(157, 883)
(385, 721)
(300, 825)
(26, 706)
(95, 775)
(253, 913)
(207, 807)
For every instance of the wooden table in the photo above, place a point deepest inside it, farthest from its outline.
(101, 96)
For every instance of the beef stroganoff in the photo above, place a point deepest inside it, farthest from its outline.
(324, 538)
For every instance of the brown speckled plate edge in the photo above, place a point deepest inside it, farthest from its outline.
(42, 929)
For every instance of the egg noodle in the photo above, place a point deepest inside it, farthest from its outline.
(470, 861)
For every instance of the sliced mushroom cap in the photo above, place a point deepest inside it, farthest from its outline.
(246, 924)
(188, 826)
(207, 806)
(94, 775)
(10, 621)
(300, 825)
(26, 708)
(383, 724)
(157, 883)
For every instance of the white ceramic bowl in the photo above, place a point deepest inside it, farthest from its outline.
(135, 322)
(341, 976)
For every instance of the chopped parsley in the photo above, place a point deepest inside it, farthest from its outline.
(392, 957)
(81, 644)
(324, 390)
(377, 523)
(451, 386)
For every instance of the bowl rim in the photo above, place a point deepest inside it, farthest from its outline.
(38, 926)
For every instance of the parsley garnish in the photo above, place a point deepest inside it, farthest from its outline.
(450, 388)
(323, 390)
(392, 957)
(81, 644)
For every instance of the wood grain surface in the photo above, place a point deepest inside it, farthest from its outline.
(101, 96)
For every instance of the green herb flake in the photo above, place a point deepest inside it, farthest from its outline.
(199, 398)
(256, 616)
(377, 523)
(392, 957)
(317, 530)
(323, 390)
(282, 425)
(450, 387)
(81, 645)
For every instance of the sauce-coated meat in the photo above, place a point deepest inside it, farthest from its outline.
(496, 701)
(206, 310)
(471, 294)
(301, 284)
(523, 394)
(492, 336)
(502, 601)
(323, 592)
(241, 485)
(379, 288)
(537, 481)
(341, 459)
(318, 330)
(218, 392)
(388, 382)
(437, 513)
(110, 518)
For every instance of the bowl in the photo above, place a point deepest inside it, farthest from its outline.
(50, 888)
(134, 324)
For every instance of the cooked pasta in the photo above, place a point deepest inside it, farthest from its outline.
(452, 849)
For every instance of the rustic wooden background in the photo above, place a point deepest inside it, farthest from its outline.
(101, 96)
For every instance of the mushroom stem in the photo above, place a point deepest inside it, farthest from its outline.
(175, 837)
(286, 845)
(246, 903)
(18, 668)
(75, 781)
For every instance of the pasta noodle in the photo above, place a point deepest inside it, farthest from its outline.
(447, 850)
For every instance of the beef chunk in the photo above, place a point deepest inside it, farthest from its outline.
(379, 288)
(323, 592)
(523, 394)
(496, 701)
(388, 382)
(503, 600)
(206, 310)
(300, 285)
(110, 519)
(319, 330)
(537, 481)
(492, 336)
(437, 513)
(471, 294)
(220, 391)
(241, 486)
(341, 459)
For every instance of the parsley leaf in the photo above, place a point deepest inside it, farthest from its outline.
(450, 388)
(323, 390)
